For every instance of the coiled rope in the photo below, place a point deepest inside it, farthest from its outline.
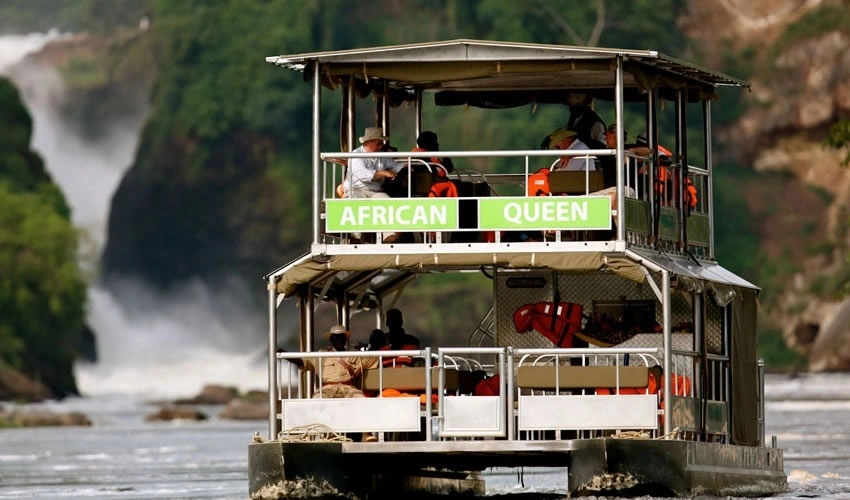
(644, 434)
(312, 433)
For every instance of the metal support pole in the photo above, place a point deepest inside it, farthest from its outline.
(385, 110)
(709, 195)
(511, 388)
(682, 160)
(761, 401)
(699, 364)
(668, 355)
(652, 141)
(345, 311)
(317, 161)
(429, 431)
(418, 112)
(618, 113)
(307, 344)
(351, 108)
(273, 390)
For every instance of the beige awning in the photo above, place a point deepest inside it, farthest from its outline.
(308, 270)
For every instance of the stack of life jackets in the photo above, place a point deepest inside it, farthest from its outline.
(557, 323)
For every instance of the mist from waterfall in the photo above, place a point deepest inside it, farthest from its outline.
(158, 346)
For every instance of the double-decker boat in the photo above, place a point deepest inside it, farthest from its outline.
(616, 348)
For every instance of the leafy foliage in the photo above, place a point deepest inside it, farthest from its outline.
(99, 16)
(42, 293)
(839, 137)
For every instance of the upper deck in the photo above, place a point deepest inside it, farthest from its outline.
(642, 205)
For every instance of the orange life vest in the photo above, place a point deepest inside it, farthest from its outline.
(538, 183)
(557, 324)
(399, 360)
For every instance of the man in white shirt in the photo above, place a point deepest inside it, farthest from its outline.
(365, 175)
(568, 140)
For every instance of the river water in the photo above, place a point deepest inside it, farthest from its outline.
(123, 457)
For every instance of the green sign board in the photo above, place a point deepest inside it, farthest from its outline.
(391, 214)
(545, 212)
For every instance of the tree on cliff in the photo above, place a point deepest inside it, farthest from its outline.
(839, 138)
(42, 292)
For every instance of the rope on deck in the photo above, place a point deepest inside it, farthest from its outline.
(312, 433)
(644, 434)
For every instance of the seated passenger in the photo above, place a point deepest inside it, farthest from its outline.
(398, 339)
(584, 121)
(377, 340)
(427, 141)
(364, 175)
(342, 377)
(568, 140)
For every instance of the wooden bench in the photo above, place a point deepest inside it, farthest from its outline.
(407, 378)
(573, 182)
(580, 377)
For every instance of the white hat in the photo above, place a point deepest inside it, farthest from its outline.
(373, 133)
(338, 330)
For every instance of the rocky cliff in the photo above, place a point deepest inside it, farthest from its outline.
(796, 52)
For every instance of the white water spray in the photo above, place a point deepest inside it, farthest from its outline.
(156, 346)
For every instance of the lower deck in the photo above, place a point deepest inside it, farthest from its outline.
(623, 467)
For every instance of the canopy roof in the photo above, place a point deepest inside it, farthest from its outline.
(383, 273)
(478, 65)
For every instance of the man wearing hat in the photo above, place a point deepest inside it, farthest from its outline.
(342, 377)
(365, 175)
(569, 140)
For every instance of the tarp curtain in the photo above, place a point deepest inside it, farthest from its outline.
(744, 368)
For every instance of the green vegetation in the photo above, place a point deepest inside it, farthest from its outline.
(813, 24)
(839, 138)
(833, 286)
(42, 292)
(772, 348)
(737, 243)
(97, 16)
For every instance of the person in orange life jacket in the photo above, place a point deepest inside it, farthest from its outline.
(665, 185)
(427, 141)
(442, 187)
(342, 377)
(398, 339)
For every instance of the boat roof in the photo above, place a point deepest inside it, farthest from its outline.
(478, 64)
(381, 274)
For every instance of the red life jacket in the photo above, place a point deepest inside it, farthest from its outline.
(442, 188)
(399, 360)
(488, 386)
(557, 324)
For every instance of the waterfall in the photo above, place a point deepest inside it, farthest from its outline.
(158, 346)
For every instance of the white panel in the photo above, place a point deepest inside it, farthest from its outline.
(354, 414)
(633, 411)
(472, 416)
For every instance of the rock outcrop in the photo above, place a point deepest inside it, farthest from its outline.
(800, 87)
(168, 413)
(15, 386)
(41, 418)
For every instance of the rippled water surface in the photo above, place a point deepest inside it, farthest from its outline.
(123, 457)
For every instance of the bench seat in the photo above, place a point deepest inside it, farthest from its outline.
(406, 378)
(580, 377)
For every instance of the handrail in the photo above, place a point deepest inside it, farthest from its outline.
(471, 154)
